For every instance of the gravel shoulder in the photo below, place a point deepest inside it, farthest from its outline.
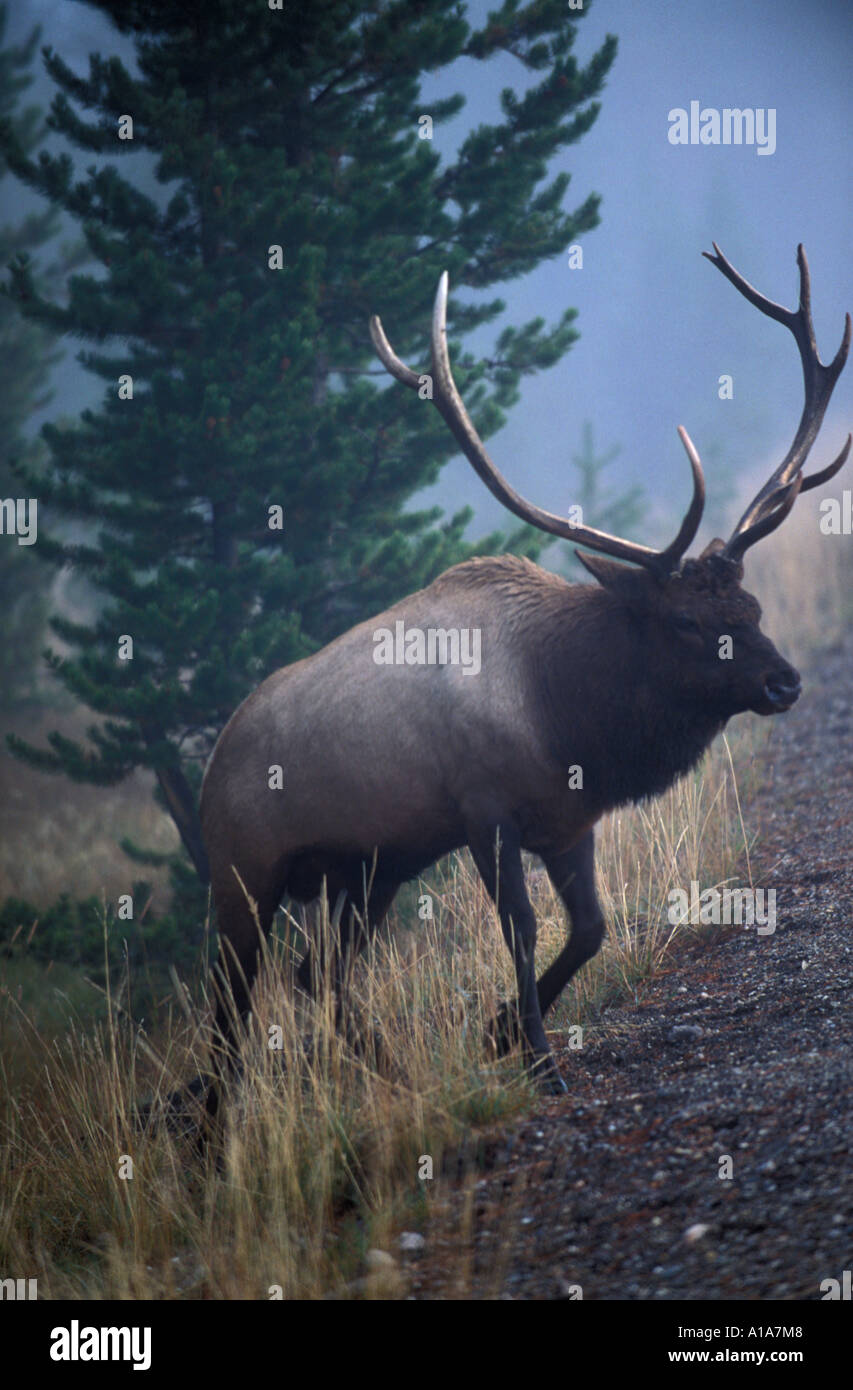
(741, 1048)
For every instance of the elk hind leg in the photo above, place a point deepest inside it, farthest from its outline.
(328, 966)
(243, 923)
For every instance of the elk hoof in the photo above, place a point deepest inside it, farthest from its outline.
(554, 1085)
(547, 1077)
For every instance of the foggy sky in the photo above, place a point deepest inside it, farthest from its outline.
(658, 324)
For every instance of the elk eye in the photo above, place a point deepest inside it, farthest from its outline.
(685, 623)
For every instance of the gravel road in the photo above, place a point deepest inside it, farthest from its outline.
(741, 1049)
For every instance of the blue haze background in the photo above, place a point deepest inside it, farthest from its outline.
(658, 324)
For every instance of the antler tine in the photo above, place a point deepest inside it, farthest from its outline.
(388, 357)
(815, 479)
(452, 409)
(819, 380)
(785, 496)
(785, 493)
(670, 557)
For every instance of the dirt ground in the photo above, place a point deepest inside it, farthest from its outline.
(741, 1050)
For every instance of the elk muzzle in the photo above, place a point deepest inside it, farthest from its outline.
(781, 691)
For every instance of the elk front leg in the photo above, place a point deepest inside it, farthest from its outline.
(497, 854)
(572, 872)
(573, 875)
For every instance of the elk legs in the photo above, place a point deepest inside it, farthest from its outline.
(497, 854)
(573, 876)
(572, 873)
(322, 968)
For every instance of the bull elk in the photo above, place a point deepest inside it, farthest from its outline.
(387, 767)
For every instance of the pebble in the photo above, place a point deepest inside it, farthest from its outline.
(379, 1260)
(411, 1242)
(684, 1032)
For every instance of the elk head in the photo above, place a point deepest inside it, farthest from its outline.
(692, 613)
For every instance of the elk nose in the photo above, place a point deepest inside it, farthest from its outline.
(783, 690)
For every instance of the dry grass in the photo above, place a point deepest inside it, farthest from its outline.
(325, 1150)
(321, 1155)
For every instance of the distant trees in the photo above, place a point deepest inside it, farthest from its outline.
(28, 351)
(619, 513)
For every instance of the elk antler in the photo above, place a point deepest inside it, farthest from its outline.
(449, 403)
(774, 500)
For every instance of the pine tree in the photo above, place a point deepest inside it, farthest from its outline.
(28, 351)
(243, 481)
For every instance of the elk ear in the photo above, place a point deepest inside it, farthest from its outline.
(619, 579)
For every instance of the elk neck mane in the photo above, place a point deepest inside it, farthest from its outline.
(629, 726)
(602, 701)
